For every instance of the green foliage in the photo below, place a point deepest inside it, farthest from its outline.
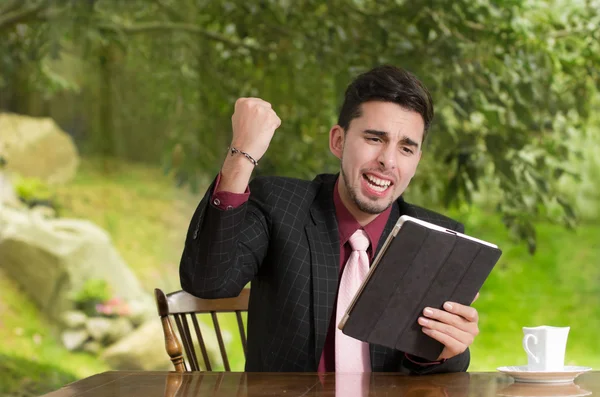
(29, 189)
(512, 82)
(93, 292)
(34, 192)
(584, 190)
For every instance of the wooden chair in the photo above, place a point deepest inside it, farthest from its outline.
(182, 306)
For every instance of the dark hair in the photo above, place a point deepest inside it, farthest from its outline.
(387, 84)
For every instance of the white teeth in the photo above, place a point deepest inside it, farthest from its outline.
(380, 183)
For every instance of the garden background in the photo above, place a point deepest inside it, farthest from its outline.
(115, 115)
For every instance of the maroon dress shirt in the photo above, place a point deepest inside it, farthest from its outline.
(347, 225)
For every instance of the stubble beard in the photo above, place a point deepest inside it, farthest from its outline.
(366, 207)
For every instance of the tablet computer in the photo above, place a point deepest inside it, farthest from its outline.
(420, 265)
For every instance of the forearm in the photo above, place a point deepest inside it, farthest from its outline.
(235, 174)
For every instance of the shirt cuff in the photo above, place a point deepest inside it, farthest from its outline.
(422, 362)
(228, 200)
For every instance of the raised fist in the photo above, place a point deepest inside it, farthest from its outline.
(254, 123)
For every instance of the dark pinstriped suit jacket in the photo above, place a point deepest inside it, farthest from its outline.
(285, 240)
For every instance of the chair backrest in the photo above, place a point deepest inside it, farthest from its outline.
(182, 306)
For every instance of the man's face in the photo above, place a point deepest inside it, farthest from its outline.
(379, 155)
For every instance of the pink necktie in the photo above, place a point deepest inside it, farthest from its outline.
(352, 355)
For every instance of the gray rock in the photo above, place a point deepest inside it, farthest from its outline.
(37, 147)
(143, 349)
(8, 195)
(92, 347)
(99, 328)
(108, 330)
(120, 328)
(74, 319)
(74, 339)
(52, 259)
(142, 310)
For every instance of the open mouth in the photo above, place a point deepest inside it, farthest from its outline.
(377, 184)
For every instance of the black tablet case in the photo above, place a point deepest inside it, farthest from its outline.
(420, 268)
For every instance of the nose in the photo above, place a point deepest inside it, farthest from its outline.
(387, 157)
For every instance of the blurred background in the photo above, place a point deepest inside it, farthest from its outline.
(115, 116)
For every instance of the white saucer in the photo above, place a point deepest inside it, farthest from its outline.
(543, 390)
(522, 374)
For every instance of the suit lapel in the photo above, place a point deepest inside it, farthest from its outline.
(394, 215)
(323, 239)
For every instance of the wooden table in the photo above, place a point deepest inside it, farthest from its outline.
(239, 384)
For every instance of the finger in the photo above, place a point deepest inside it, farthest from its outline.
(252, 100)
(453, 345)
(476, 297)
(262, 102)
(239, 102)
(463, 336)
(448, 318)
(467, 312)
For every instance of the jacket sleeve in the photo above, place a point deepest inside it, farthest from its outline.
(459, 363)
(224, 248)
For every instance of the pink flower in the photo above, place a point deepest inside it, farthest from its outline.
(113, 306)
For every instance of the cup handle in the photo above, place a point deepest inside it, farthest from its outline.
(527, 350)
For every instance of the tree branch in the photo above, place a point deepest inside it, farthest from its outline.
(559, 34)
(474, 25)
(21, 14)
(354, 8)
(144, 27)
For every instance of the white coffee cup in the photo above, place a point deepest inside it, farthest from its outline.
(545, 347)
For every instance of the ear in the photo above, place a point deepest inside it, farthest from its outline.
(336, 140)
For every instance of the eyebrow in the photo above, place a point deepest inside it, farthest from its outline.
(405, 140)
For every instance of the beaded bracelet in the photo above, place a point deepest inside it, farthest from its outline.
(234, 150)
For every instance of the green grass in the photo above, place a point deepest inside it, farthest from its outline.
(145, 214)
(22, 377)
(148, 217)
(32, 360)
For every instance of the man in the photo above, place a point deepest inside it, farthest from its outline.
(290, 237)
